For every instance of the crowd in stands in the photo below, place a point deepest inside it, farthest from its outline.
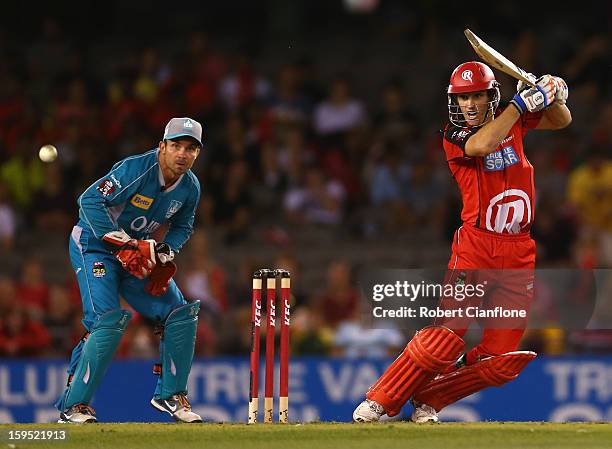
(287, 146)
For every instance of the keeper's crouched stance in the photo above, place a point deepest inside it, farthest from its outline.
(113, 255)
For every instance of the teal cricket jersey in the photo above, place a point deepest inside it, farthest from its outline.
(132, 197)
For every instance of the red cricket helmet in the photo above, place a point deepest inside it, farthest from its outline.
(471, 76)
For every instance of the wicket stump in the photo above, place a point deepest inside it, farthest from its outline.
(270, 276)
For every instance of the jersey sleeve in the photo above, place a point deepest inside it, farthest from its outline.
(114, 189)
(530, 120)
(181, 225)
(454, 141)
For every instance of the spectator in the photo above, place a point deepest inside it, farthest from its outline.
(590, 191)
(32, 290)
(389, 191)
(339, 112)
(202, 278)
(318, 201)
(269, 190)
(203, 80)
(139, 342)
(8, 220)
(395, 122)
(353, 340)
(22, 174)
(152, 77)
(234, 148)
(54, 206)
(58, 321)
(22, 336)
(7, 295)
(242, 85)
(232, 209)
(309, 335)
(288, 104)
(293, 153)
(339, 301)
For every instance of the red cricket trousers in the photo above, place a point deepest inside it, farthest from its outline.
(503, 265)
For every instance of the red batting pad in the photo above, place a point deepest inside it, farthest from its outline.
(430, 351)
(467, 380)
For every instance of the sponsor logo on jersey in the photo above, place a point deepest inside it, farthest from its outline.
(141, 224)
(116, 181)
(173, 208)
(152, 227)
(106, 187)
(507, 211)
(141, 201)
(499, 160)
(99, 270)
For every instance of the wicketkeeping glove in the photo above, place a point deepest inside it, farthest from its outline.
(136, 256)
(164, 269)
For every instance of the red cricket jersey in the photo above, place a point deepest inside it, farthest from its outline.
(497, 190)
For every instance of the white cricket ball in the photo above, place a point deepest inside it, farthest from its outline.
(47, 153)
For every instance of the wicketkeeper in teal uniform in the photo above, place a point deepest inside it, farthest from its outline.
(112, 254)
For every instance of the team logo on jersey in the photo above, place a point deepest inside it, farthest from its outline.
(467, 75)
(99, 270)
(141, 201)
(459, 135)
(106, 187)
(507, 211)
(499, 160)
(173, 208)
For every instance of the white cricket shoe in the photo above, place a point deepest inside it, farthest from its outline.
(368, 411)
(178, 407)
(423, 413)
(77, 414)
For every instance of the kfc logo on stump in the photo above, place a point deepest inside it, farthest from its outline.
(508, 212)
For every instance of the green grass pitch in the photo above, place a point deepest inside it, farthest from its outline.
(494, 435)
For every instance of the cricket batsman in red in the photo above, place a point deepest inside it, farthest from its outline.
(484, 150)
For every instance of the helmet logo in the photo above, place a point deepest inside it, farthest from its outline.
(467, 75)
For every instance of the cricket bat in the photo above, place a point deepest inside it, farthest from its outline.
(497, 60)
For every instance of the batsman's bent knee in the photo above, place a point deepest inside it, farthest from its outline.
(429, 352)
(493, 371)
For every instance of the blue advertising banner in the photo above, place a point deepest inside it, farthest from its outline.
(325, 389)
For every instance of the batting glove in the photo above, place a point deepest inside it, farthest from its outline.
(534, 99)
(522, 84)
(562, 90)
